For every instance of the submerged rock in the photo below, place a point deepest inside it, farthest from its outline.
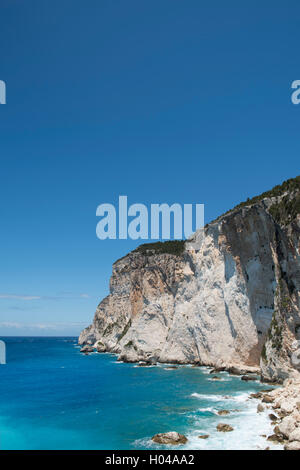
(172, 438)
(223, 412)
(203, 436)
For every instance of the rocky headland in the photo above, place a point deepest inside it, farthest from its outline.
(228, 298)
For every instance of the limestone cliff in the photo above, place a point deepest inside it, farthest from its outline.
(228, 296)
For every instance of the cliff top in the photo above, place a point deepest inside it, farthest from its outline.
(287, 206)
(284, 211)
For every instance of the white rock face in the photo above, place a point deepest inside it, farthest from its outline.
(211, 304)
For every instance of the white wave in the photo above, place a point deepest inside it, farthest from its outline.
(206, 370)
(247, 434)
(206, 397)
(208, 409)
(240, 397)
(221, 379)
(144, 367)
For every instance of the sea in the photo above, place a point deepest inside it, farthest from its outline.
(54, 397)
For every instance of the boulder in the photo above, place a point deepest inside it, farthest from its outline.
(248, 378)
(260, 408)
(234, 371)
(172, 438)
(215, 370)
(287, 426)
(295, 435)
(295, 445)
(267, 399)
(144, 364)
(296, 416)
(276, 439)
(224, 427)
(287, 406)
(223, 412)
(203, 436)
(273, 417)
(87, 349)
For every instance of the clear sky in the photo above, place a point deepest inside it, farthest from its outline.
(161, 100)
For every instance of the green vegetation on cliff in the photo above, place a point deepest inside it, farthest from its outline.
(291, 185)
(171, 247)
(284, 212)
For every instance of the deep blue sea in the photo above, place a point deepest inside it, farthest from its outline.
(53, 397)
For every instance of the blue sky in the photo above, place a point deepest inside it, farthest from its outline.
(163, 101)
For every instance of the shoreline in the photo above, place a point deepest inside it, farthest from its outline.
(282, 402)
(233, 368)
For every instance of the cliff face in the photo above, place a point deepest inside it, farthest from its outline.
(229, 297)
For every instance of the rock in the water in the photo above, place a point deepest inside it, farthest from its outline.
(248, 378)
(223, 412)
(87, 349)
(172, 438)
(215, 370)
(273, 417)
(224, 427)
(216, 378)
(203, 436)
(234, 371)
(276, 439)
(260, 408)
(267, 399)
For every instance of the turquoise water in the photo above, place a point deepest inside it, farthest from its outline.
(53, 397)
